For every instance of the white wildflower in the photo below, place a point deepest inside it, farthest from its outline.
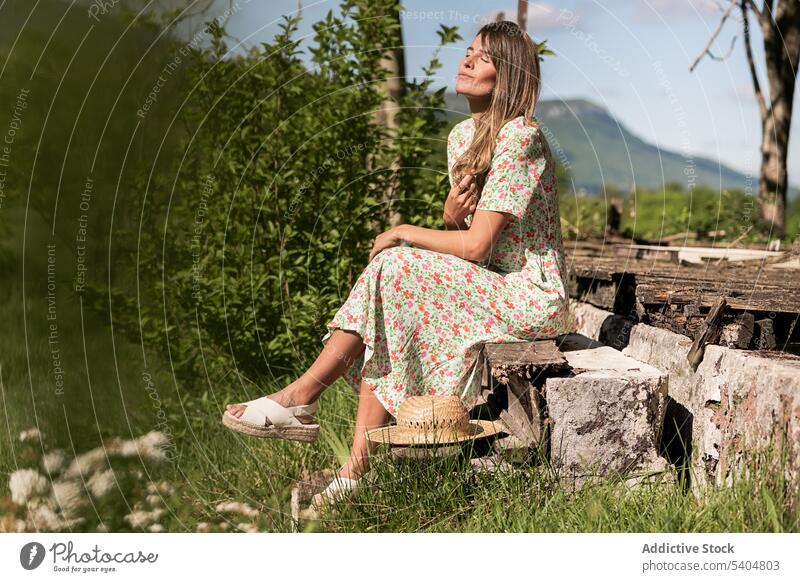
(237, 507)
(44, 518)
(248, 527)
(25, 484)
(54, 462)
(31, 435)
(101, 483)
(87, 463)
(203, 527)
(150, 447)
(141, 518)
(153, 500)
(224, 526)
(10, 524)
(156, 527)
(70, 497)
(163, 487)
(102, 528)
(129, 449)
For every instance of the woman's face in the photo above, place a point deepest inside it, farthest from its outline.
(476, 73)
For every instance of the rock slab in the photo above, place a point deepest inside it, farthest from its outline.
(606, 418)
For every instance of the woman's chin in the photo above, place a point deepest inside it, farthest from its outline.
(463, 89)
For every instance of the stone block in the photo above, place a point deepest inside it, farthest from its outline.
(607, 418)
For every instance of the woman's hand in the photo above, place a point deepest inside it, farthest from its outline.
(461, 202)
(391, 238)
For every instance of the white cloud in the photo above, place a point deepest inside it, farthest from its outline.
(653, 11)
(541, 16)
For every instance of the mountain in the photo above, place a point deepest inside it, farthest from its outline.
(596, 148)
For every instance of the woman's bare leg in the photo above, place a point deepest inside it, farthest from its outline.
(338, 353)
(370, 414)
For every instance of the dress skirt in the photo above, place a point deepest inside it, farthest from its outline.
(424, 317)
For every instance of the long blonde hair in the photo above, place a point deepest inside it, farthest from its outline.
(516, 60)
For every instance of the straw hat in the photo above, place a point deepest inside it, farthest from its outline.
(427, 420)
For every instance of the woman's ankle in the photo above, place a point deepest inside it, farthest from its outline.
(353, 470)
(300, 393)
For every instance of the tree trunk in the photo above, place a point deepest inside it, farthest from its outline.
(780, 28)
(394, 86)
(522, 14)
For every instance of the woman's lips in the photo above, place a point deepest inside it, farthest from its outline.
(463, 75)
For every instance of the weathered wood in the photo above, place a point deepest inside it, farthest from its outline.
(527, 359)
(513, 364)
(709, 333)
(739, 333)
(523, 417)
(740, 277)
(691, 254)
(766, 335)
(537, 353)
(683, 292)
(597, 291)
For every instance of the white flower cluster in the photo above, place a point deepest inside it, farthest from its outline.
(233, 508)
(59, 499)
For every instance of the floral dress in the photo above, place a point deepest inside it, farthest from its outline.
(424, 315)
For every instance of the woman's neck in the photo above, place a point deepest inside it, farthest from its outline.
(478, 106)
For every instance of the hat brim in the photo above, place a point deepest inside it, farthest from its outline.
(397, 435)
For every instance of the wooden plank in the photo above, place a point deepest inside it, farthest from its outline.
(738, 333)
(682, 293)
(523, 417)
(708, 335)
(538, 353)
(598, 292)
(766, 334)
(747, 275)
(691, 254)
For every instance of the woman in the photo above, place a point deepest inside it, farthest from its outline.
(419, 313)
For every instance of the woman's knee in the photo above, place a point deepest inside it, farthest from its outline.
(392, 258)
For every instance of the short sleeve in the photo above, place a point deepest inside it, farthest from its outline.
(517, 166)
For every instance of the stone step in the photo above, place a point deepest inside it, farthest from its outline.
(607, 415)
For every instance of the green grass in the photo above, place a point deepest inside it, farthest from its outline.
(651, 215)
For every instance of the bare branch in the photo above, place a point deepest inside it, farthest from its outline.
(755, 9)
(762, 103)
(707, 49)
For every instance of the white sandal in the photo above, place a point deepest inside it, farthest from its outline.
(337, 490)
(265, 418)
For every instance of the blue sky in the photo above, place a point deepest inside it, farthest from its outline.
(631, 57)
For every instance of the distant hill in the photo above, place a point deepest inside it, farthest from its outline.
(597, 148)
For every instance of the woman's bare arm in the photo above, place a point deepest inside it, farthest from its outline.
(474, 244)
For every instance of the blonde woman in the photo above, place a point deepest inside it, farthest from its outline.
(419, 313)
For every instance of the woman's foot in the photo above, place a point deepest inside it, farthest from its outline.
(319, 500)
(348, 471)
(288, 396)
